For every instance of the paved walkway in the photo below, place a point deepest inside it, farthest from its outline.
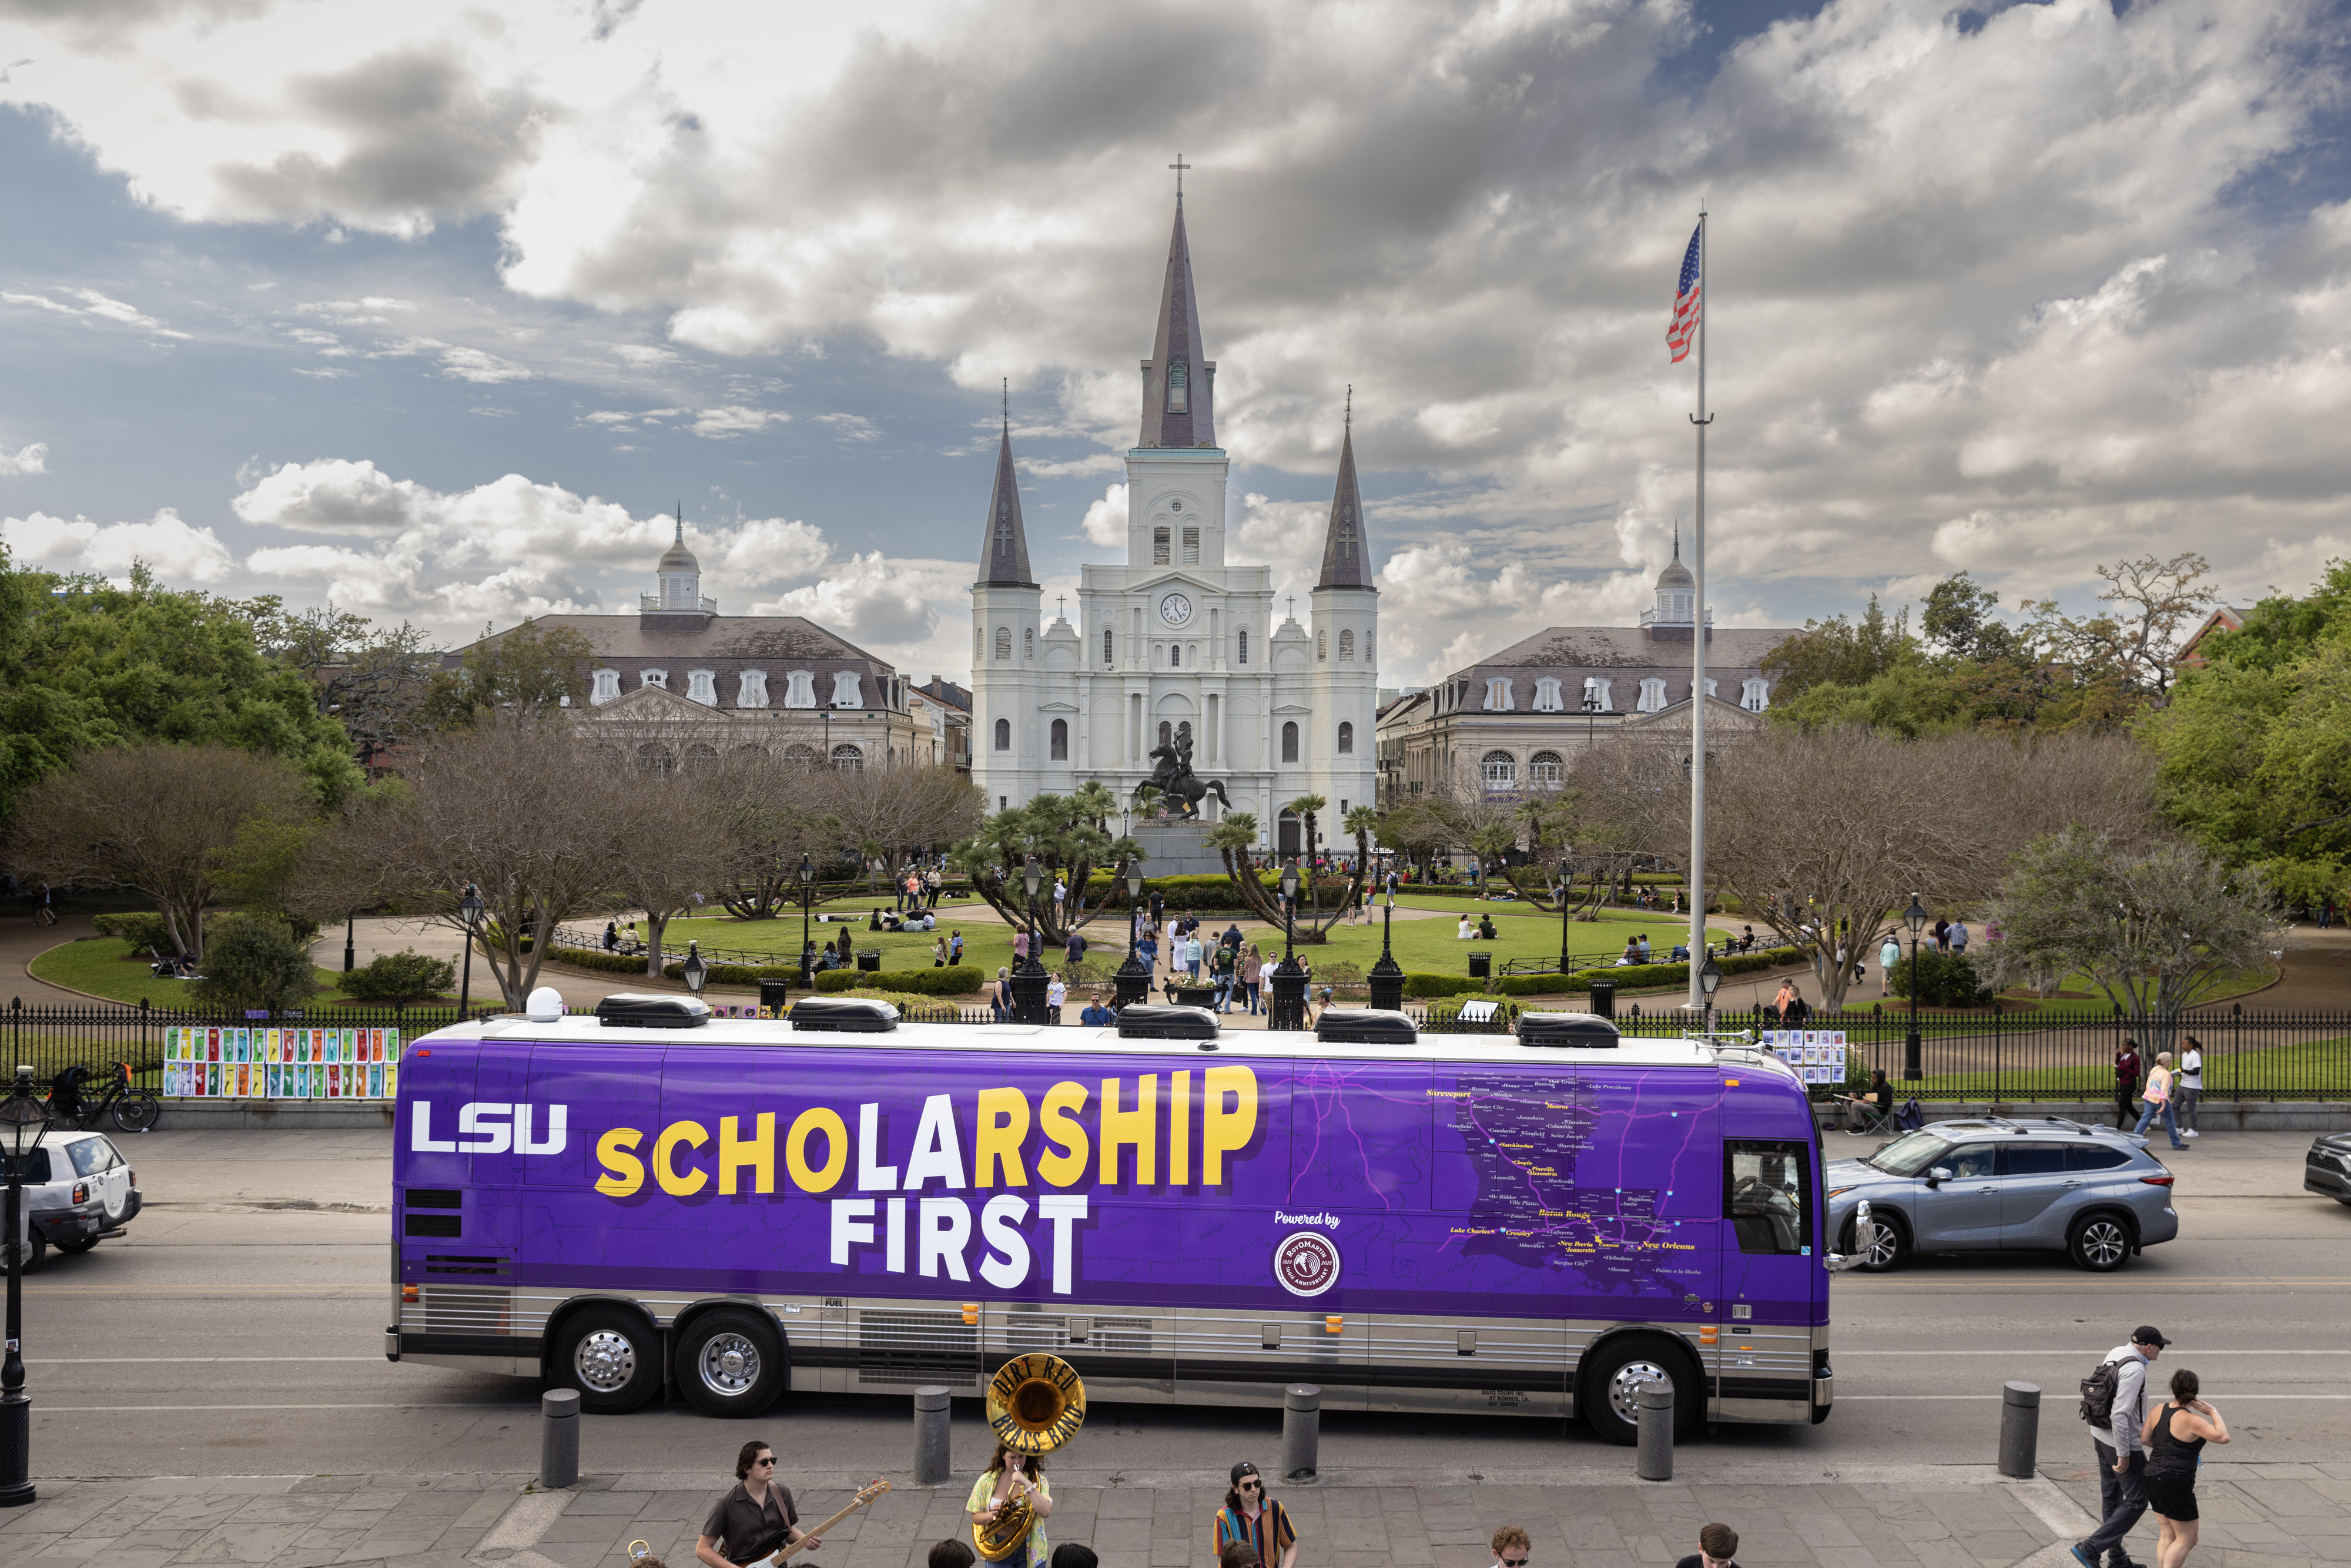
(1913, 1516)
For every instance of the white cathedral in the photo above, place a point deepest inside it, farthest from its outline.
(1174, 636)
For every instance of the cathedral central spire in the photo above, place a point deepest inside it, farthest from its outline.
(1346, 548)
(1003, 548)
(1180, 380)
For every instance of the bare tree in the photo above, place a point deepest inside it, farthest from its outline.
(2155, 927)
(900, 809)
(2156, 604)
(1822, 835)
(161, 819)
(523, 810)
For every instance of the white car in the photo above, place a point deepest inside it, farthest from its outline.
(78, 1191)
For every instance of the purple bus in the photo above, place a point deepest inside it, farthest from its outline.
(1533, 1224)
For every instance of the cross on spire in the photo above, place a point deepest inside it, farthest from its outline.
(1180, 166)
(1007, 405)
(1293, 607)
(1351, 407)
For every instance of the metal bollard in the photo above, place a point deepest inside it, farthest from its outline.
(1655, 1443)
(931, 1404)
(2020, 1430)
(558, 1438)
(1301, 1432)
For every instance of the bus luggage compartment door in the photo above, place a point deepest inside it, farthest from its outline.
(1509, 1366)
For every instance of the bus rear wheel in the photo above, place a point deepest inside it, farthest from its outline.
(730, 1363)
(611, 1356)
(1613, 1379)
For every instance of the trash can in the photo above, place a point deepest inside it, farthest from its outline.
(870, 961)
(1603, 998)
(775, 994)
(1481, 966)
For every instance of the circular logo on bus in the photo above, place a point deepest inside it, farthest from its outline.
(1306, 1262)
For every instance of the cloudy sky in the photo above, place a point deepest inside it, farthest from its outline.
(432, 309)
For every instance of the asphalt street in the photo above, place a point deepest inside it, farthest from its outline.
(238, 1330)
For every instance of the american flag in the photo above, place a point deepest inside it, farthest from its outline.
(1686, 303)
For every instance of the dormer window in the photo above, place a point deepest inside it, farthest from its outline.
(655, 679)
(799, 689)
(608, 686)
(751, 689)
(702, 687)
(844, 690)
(1179, 388)
(1499, 698)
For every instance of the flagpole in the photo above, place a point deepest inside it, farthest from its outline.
(1696, 1001)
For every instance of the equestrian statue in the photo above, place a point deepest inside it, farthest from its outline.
(1173, 776)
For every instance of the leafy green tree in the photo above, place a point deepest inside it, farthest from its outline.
(85, 664)
(1838, 652)
(1960, 620)
(254, 961)
(1062, 833)
(529, 670)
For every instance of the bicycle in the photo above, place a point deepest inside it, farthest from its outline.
(133, 1109)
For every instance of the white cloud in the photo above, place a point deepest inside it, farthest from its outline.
(97, 306)
(915, 613)
(29, 459)
(1106, 520)
(176, 551)
(722, 424)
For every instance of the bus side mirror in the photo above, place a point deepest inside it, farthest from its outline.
(1865, 1241)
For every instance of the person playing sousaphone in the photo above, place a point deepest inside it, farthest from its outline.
(754, 1521)
(1011, 1479)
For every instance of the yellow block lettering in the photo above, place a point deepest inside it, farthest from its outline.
(817, 1119)
(1179, 1128)
(1223, 1132)
(675, 1182)
(1121, 1128)
(1057, 1120)
(1003, 1124)
(759, 1155)
(624, 1173)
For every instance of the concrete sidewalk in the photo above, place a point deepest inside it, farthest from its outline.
(1932, 1516)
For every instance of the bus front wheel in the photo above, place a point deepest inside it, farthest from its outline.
(729, 1364)
(612, 1355)
(1613, 1379)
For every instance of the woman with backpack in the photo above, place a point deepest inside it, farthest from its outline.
(2174, 1438)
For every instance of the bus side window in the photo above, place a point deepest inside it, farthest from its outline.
(1767, 1195)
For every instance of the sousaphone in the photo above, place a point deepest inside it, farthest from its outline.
(1036, 1404)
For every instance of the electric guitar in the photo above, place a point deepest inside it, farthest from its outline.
(785, 1554)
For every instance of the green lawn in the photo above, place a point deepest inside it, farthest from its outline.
(2318, 1069)
(986, 944)
(106, 967)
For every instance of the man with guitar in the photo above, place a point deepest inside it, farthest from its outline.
(755, 1523)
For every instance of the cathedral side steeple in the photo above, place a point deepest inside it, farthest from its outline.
(1003, 548)
(1180, 380)
(1346, 544)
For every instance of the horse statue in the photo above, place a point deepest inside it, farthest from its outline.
(1173, 776)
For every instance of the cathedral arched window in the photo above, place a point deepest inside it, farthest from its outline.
(1322, 644)
(1061, 752)
(1179, 388)
(1289, 742)
(1004, 641)
(1347, 647)
(1243, 648)
(1191, 545)
(1003, 734)
(1028, 644)
(1346, 740)
(1367, 647)
(1110, 647)
(1159, 547)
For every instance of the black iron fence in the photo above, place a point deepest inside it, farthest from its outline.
(1996, 1056)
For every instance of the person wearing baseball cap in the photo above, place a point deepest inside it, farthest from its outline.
(1256, 1520)
(2122, 1462)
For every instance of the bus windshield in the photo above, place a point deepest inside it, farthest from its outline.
(1909, 1154)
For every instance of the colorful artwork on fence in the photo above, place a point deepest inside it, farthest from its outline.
(1816, 1054)
(283, 1064)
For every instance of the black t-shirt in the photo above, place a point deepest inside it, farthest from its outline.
(1696, 1559)
(745, 1529)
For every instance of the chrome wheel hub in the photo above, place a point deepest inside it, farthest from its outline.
(2103, 1243)
(1625, 1388)
(730, 1364)
(605, 1361)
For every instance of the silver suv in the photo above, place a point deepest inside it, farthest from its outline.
(1989, 1184)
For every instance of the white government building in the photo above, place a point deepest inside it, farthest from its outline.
(1174, 635)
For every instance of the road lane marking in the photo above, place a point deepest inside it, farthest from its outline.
(1882, 1398)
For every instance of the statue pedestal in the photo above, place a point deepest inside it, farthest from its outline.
(1176, 848)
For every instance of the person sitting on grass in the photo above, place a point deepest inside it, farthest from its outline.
(1485, 932)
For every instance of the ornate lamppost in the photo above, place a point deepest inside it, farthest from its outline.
(1286, 1008)
(1133, 978)
(1710, 980)
(23, 1122)
(694, 971)
(1914, 917)
(1028, 977)
(1388, 975)
(470, 909)
(806, 875)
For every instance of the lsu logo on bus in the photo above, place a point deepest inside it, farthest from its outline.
(491, 1128)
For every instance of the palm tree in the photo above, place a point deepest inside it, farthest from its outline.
(1233, 838)
(1303, 809)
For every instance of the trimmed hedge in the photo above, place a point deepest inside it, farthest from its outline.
(140, 927)
(956, 981)
(594, 958)
(1629, 977)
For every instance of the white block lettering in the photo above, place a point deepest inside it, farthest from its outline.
(872, 1177)
(945, 1232)
(484, 1123)
(1000, 1227)
(555, 1131)
(894, 1245)
(1062, 1209)
(938, 1154)
(421, 1140)
(852, 1222)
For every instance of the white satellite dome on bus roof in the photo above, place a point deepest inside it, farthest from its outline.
(546, 1005)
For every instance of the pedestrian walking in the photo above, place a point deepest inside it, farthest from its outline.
(2159, 1099)
(1223, 971)
(1057, 991)
(999, 995)
(1942, 936)
(1020, 945)
(1958, 936)
(2174, 1437)
(755, 1518)
(1512, 1547)
(1074, 951)
(939, 954)
(955, 949)
(1252, 971)
(2126, 1065)
(1888, 956)
(1192, 956)
(1256, 1520)
(1717, 1547)
(1011, 1477)
(2188, 1088)
(2115, 1405)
